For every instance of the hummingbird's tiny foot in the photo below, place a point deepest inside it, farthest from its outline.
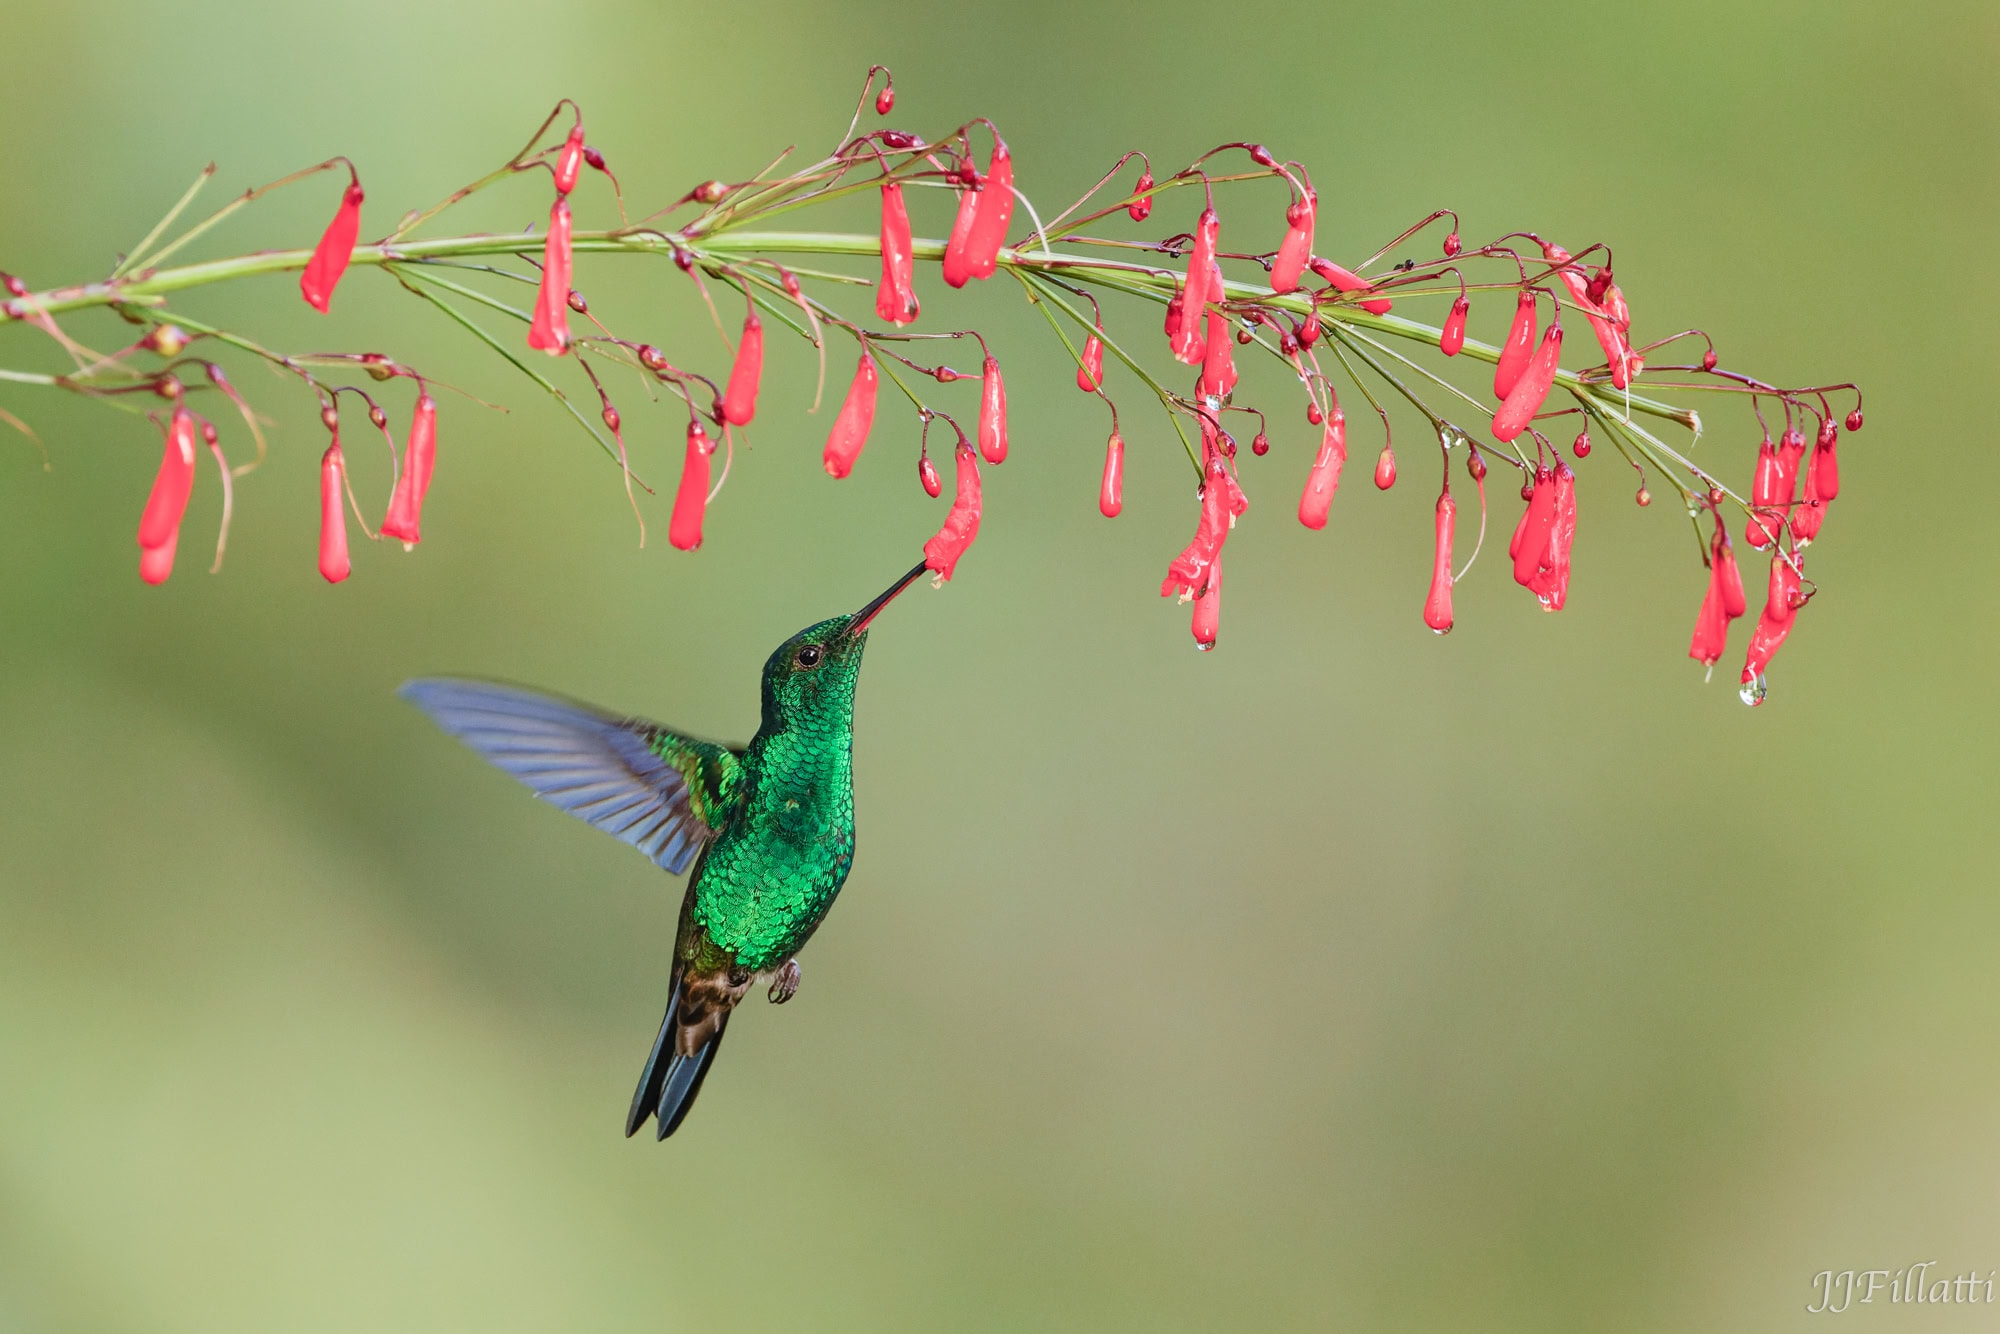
(786, 984)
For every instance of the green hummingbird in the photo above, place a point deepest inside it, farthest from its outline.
(768, 827)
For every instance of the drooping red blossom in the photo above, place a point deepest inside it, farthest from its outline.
(691, 500)
(336, 247)
(334, 565)
(1188, 572)
(1519, 347)
(1791, 449)
(1323, 479)
(739, 401)
(1453, 337)
(1296, 248)
(1175, 304)
(1609, 338)
(957, 266)
(896, 294)
(1139, 208)
(1551, 582)
(1530, 544)
(1111, 494)
(1437, 607)
(549, 330)
(172, 484)
(569, 160)
(156, 563)
(1711, 627)
(1205, 621)
(994, 214)
(992, 412)
(1727, 576)
(1532, 389)
(1218, 365)
(1195, 295)
(855, 420)
(1826, 461)
(1811, 510)
(961, 525)
(1346, 280)
(1090, 374)
(406, 506)
(1764, 493)
(927, 474)
(1781, 604)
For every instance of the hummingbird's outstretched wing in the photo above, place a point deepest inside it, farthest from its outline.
(663, 793)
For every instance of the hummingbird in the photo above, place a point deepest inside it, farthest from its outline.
(768, 828)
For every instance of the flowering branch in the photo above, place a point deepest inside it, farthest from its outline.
(1327, 324)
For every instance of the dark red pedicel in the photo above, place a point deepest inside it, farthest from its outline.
(336, 247)
(855, 420)
(691, 500)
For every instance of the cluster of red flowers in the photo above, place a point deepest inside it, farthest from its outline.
(1318, 318)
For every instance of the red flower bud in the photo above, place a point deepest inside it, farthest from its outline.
(1195, 296)
(1385, 469)
(1347, 281)
(1324, 477)
(1206, 619)
(896, 294)
(1091, 373)
(336, 247)
(1520, 345)
(1451, 246)
(961, 525)
(1111, 495)
(1708, 360)
(1854, 420)
(1791, 448)
(172, 485)
(569, 160)
(1530, 544)
(334, 565)
(1437, 607)
(1581, 445)
(856, 419)
(1825, 470)
(885, 101)
(1453, 337)
(1261, 445)
(1307, 332)
(1136, 210)
(1531, 389)
(957, 266)
(550, 329)
(691, 500)
(156, 563)
(739, 401)
(1313, 414)
(992, 413)
(995, 212)
(1599, 284)
(927, 474)
(1296, 248)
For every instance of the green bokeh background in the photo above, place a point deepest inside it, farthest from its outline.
(1343, 978)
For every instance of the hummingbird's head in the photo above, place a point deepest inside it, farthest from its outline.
(814, 671)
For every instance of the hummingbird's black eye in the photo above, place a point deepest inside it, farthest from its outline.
(810, 655)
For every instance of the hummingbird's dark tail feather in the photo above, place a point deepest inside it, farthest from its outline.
(670, 1081)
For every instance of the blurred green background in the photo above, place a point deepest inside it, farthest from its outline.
(1344, 978)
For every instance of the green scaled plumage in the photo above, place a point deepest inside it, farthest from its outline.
(769, 828)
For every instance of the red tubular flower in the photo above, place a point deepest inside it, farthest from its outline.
(1531, 389)
(1206, 620)
(1346, 280)
(896, 294)
(1324, 478)
(336, 247)
(1520, 344)
(1711, 627)
(1437, 607)
(1218, 366)
(1531, 536)
(1791, 448)
(961, 525)
(1551, 581)
(550, 329)
(957, 267)
(927, 474)
(156, 563)
(1296, 248)
(1188, 572)
(1111, 495)
(334, 565)
(1091, 373)
(406, 506)
(1766, 486)
(1453, 337)
(995, 212)
(569, 160)
(739, 401)
(1825, 465)
(1195, 294)
(856, 419)
(1811, 511)
(992, 413)
(1143, 205)
(691, 500)
(1609, 337)
(172, 485)
(1781, 606)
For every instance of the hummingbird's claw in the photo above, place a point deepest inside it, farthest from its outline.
(786, 984)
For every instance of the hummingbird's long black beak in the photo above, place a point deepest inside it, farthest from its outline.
(874, 609)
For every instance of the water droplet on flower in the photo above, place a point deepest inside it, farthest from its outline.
(1754, 690)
